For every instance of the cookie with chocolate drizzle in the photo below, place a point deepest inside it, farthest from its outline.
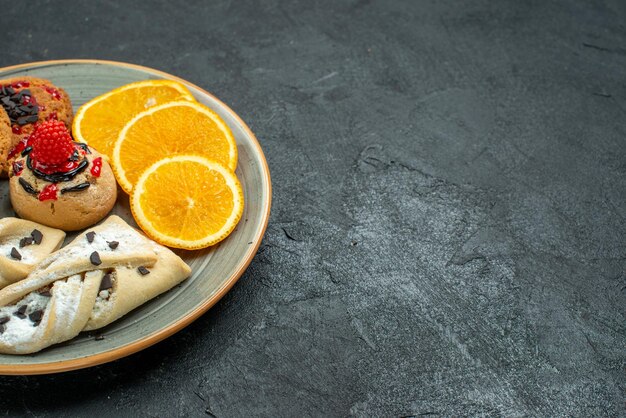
(61, 183)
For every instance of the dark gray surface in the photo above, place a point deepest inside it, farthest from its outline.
(447, 233)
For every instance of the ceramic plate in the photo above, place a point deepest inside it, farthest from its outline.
(214, 270)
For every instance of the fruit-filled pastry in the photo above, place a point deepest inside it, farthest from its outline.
(25, 101)
(104, 273)
(22, 245)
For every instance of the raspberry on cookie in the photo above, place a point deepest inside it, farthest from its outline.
(24, 101)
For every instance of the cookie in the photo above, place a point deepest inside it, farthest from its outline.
(6, 142)
(24, 102)
(61, 183)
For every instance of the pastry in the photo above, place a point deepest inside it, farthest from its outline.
(100, 276)
(22, 245)
(24, 102)
(61, 183)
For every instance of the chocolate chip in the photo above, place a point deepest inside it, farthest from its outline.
(90, 236)
(46, 293)
(22, 120)
(16, 254)
(106, 282)
(95, 258)
(2, 328)
(113, 244)
(36, 315)
(37, 236)
(28, 188)
(77, 188)
(26, 241)
(142, 270)
(21, 312)
(5, 319)
(99, 337)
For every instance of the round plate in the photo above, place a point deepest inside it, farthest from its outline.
(214, 270)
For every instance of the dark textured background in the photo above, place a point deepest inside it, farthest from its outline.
(449, 216)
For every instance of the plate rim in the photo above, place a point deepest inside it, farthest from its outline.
(189, 317)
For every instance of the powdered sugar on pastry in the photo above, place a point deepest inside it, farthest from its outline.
(26, 255)
(22, 245)
(17, 324)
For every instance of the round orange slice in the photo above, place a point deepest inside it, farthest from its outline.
(187, 201)
(170, 129)
(99, 121)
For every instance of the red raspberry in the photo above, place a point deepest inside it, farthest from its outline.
(52, 143)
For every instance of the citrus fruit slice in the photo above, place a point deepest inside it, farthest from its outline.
(99, 121)
(187, 201)
(167, 130)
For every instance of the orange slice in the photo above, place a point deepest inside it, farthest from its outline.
(187, 201)
(99, 121)
(167, 130)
